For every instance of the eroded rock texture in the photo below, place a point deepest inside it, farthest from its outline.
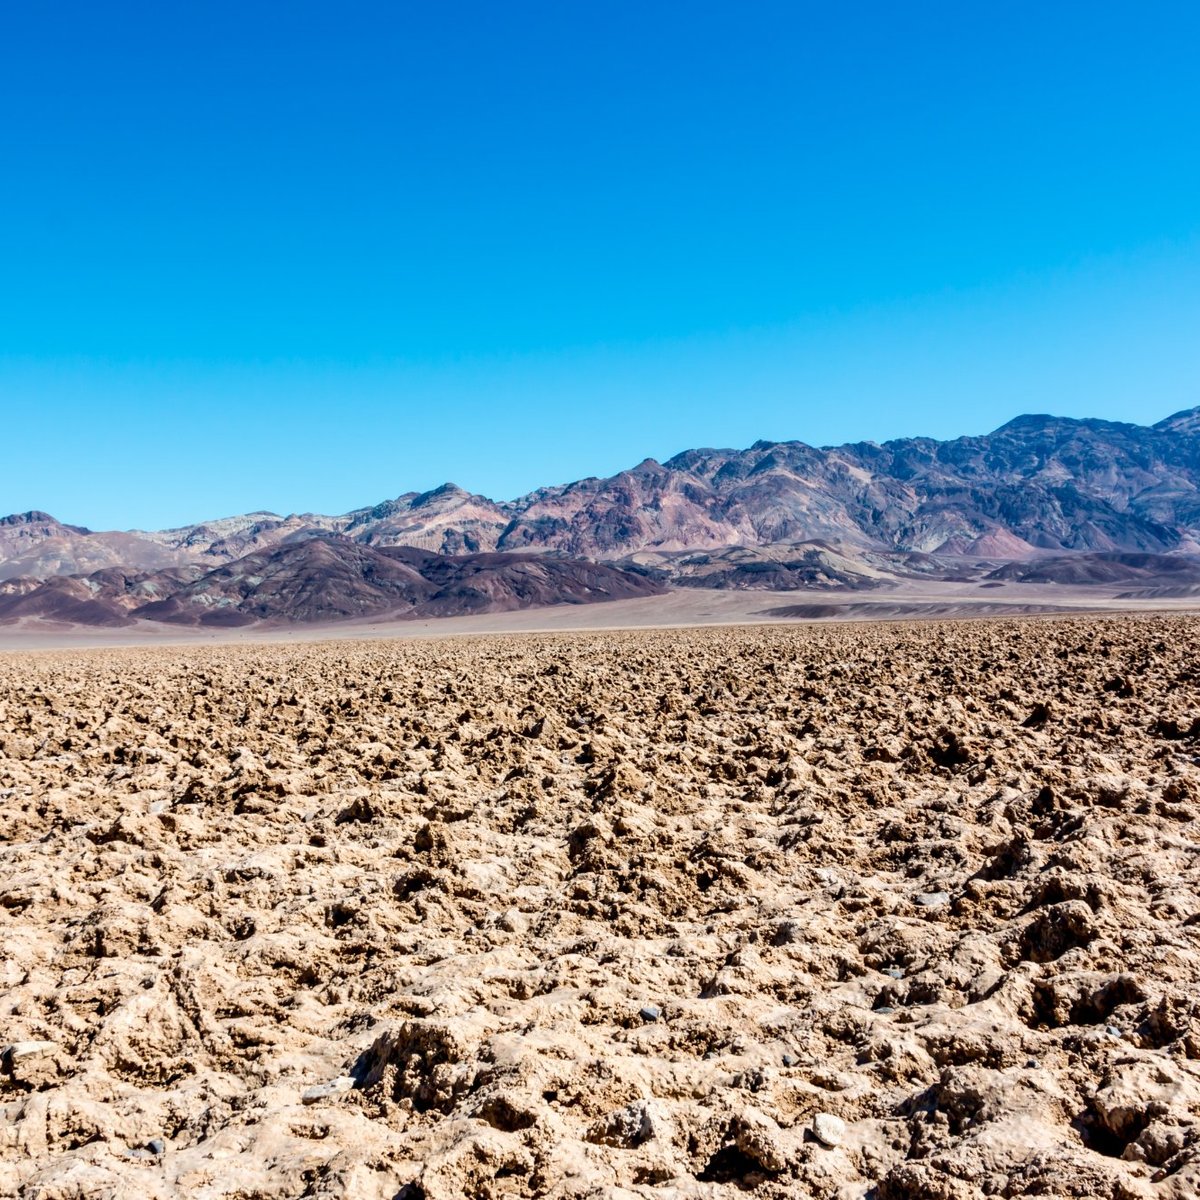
(871, 911)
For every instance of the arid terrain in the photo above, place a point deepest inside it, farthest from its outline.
(1044, 513)
(846, 910)
(785, 512)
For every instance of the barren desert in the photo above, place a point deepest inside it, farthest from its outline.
(847, 910)
(600, 602)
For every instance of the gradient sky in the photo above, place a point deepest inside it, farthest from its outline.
(308, 256)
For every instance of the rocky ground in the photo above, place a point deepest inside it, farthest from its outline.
(846, 911)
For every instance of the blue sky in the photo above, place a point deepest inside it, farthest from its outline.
(309, 256)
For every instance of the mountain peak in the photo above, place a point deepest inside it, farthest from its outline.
(1032, 421)
(1083, 484)
(34, 516)
(648, 466)
(1185, 421)
(439, 497)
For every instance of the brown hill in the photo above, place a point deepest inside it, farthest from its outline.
(322, 579)
(318, 579)
(793, 566)
(106, 597)
(35, 544)
(448, 520)
(1149, 570)
(502, 582)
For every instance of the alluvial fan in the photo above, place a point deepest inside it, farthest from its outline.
(874, 911)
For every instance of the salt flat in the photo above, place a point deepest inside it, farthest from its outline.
(843, 910)
(678, 608)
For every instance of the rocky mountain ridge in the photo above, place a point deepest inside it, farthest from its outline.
(1039, 484)
(320, 579)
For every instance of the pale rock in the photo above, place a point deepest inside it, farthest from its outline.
(20, 1051)
(828, 1129)
(327, 1091)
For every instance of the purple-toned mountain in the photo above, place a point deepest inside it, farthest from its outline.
(1037, 485)
(321, 579)
(35, 544)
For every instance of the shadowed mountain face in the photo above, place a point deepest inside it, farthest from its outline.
(321, 579)
(1110, 568)
(1037, 485)
(794, 566)
(104, 597)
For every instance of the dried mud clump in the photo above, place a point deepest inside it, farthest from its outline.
(873, 911)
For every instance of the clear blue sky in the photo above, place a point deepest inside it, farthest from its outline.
(305, 257)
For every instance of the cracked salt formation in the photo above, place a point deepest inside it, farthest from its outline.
(782, 912)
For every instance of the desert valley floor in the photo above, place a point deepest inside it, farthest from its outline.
(875, 910)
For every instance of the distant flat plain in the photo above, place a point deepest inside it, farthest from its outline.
(679, 608)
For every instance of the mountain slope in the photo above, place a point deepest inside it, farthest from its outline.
(35, 544)
(319, 579)
(1150, 570)
(105, 597)
(1037, 485)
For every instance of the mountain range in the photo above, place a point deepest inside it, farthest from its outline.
(779, 515)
